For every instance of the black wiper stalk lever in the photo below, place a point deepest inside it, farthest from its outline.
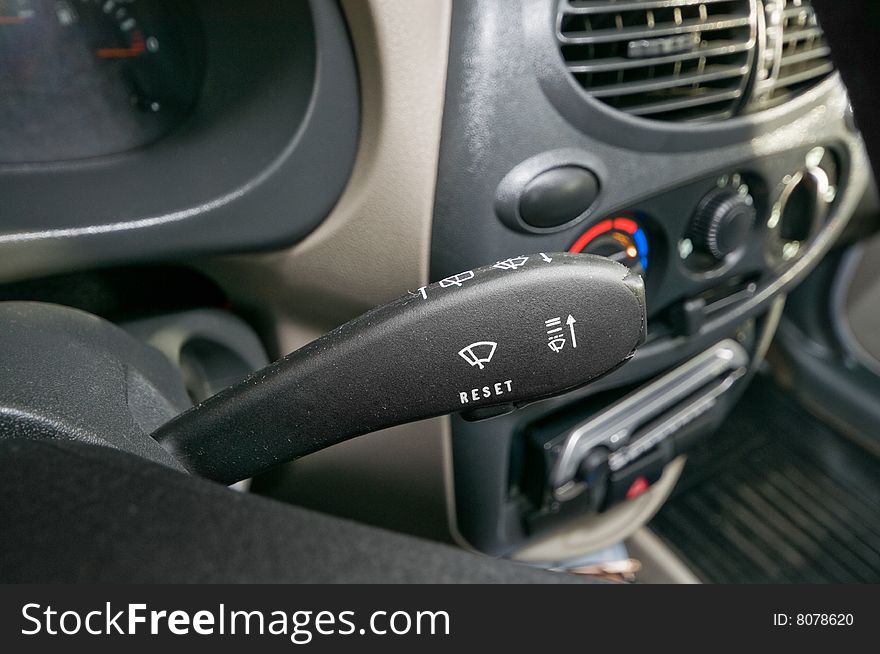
(481, 341)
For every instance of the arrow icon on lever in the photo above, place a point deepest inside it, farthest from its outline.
(570, 322)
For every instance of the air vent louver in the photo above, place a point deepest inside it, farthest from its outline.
(796, 54)
(663, 59)
(691, 60)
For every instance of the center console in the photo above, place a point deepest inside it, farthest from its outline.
(720, 168)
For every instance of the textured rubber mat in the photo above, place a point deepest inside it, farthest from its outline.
(776, 496)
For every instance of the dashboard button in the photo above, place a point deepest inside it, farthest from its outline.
(558, 196)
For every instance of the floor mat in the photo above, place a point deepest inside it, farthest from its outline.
(774, 497)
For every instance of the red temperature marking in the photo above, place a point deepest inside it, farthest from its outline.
(596, 230)
(626, 225)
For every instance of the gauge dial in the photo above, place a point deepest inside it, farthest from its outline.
(131, 47)
(81, 78)
(620, 239)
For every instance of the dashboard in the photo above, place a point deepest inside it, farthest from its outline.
(710, 147)
(314, 159)
(169, 121)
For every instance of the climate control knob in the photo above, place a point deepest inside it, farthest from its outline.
(722, 223)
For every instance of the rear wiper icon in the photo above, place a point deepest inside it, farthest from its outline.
(478, 354)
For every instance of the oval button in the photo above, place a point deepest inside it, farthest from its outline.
(558, 196)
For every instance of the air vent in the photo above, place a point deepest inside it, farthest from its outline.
(692, 60)
(681, 60)
(796, 55)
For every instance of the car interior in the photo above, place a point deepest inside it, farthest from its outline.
(516, 291)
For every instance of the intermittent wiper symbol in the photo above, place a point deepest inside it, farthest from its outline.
(479, 354)
(511, 264)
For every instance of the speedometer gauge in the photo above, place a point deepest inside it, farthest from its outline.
(138, 50)
(84, 78)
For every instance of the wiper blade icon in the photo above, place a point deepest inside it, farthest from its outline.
(479, 354)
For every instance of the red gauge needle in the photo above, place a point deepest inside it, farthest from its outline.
(136, 48)
(12, 20)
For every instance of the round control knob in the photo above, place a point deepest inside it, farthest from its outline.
(721, 223)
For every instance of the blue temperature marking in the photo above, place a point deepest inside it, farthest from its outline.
(642, 245)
